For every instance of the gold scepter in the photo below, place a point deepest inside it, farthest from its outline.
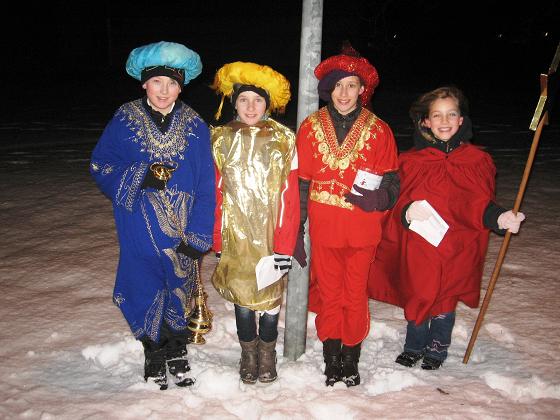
(199, 320)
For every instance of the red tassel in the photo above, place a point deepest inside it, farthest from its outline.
(347, 49)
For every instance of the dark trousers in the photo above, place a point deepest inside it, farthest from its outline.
(431, 337)
(247, 328)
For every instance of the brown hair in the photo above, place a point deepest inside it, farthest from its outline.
(420, 109)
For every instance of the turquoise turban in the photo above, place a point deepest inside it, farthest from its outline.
(169, 54)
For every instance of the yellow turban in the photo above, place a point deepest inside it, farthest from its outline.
(264, 77)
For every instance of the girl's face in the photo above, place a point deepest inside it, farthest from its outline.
(250, 107)
(345, 94)
(162, 92)
(444, 118)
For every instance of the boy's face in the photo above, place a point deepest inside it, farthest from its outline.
(250, 107)
(162, 91)
(444, 118)
(345, 94)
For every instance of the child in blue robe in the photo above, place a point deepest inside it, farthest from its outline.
(164, 225)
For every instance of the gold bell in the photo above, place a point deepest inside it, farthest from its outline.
(162, 171)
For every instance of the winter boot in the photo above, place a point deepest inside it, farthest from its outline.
(154, 362)
(333, 362)
(350, 359)
(267, 361)
(176, 357)
(409, 358)
(430, 363)
(249, 365)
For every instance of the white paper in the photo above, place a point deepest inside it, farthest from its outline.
(366, 180)
(266, 273)
(432, 229)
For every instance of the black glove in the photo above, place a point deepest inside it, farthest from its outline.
(299, 252)
(189, 251)
(370, 200)
(282, 262)
(150, 181)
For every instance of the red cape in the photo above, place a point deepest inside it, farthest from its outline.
(410, 272)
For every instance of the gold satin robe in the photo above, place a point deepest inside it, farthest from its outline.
(254, 163)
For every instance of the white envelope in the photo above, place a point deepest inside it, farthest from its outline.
(432, 229)
(366, 180)
(266, 273)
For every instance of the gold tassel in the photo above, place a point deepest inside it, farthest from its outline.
(219, 113)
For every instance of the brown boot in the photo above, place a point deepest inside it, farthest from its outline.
(267, 361)
(249, 369)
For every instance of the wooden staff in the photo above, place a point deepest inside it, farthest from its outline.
(539, 122)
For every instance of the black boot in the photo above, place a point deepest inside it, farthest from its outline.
(409, 358)
(154, 362)
(333, 364)
(350, 359)
(429, 363)
(176, 356)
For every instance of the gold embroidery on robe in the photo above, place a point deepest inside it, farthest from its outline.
(344, 156)
(168, 146)
(339, 157)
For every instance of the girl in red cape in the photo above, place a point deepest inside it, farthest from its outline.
(458, 180)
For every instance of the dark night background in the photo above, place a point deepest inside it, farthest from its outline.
(63, 62)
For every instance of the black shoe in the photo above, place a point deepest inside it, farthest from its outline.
(176, 356)
(154, 363)
(178, 368)
(408, 358)
(333, 361)
(350, 359)
(333, 372)
(429, 363)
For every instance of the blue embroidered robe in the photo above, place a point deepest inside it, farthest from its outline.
(153, 282)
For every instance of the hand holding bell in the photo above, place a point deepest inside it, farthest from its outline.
(163, 170)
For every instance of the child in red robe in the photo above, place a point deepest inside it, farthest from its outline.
(334, 145)
(458, 180)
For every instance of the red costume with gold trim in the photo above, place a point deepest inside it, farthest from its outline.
(410, 272)
(343, 236)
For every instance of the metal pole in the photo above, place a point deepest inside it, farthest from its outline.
(309, 57)
(308, 102)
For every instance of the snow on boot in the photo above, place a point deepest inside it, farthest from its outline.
(249, 365)
(350, 359)
(176, 357)
(333, 363)
(429, 363)
(267, 361)
(154, 362)
(178, 366)
(409, 358)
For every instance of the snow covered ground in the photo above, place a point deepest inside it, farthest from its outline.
(67, 353)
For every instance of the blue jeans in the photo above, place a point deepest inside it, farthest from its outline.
(247, 328)
(432, 337)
